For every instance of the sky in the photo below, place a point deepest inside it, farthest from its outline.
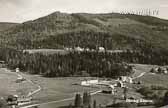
(25, 10)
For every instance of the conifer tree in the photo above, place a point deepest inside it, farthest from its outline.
(78, 101)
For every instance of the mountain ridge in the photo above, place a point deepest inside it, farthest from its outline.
(7, 25)
(112, 31)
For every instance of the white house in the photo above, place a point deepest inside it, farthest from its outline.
(101, 49)
(108, 89)
(89, 82)
(79, 49)
(87, 49)
(129, 80)
(17, 70)
(126, 79)
(165, 71)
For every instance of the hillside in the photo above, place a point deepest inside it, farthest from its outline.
(5, 25)
(112, 31)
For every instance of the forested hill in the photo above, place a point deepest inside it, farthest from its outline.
(112, 31)
(6, 25)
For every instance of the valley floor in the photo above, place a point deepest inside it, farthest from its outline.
(56, 92)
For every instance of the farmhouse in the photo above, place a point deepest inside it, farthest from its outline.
(126, 79)
(68, 49)
(12, 100)
(120, 84)
(108, 89)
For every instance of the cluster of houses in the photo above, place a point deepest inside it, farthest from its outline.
(108, 86)
(14, 100)
(159, 70)
(79, 49)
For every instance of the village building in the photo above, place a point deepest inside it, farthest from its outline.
(17, 70)
(101, 49)
(79, 49)
(160, 70)
(87, 49)
(12, 100)
(126, 79)
(108, 89)
(122, 78)
(89, 82)
(165, 70)
(120, 84)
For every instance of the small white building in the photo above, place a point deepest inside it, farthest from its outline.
(68, 49)
(79, 49)
(165, 71)
(87, 49)
(20, 79)
(108, 89)
(126, 79)
(17, 70)
(101, 49)
(89, 82)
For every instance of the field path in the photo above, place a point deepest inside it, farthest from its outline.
(33, 83)
(58, 101)
(30, 81)
(19, 74)
(140, 75)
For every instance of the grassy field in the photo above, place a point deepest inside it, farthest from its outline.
(53, 89)
(56, 89)
(9, 85)
(149, 78)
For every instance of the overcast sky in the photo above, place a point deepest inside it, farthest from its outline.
(24, 10)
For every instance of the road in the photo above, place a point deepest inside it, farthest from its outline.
(58, 101)
(30, 81)
(142, 74)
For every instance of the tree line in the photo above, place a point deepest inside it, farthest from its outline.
(96, 64)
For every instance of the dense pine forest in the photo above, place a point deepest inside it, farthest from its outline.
(96, 64)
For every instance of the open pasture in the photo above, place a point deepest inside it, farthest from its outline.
(9, 85)
(149, 78)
